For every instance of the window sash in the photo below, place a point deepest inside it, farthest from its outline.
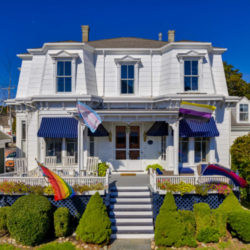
(127, 79)
(64, 76)
(183, 150)
(191, 75)
(243, 112)
(54, 148)
(201, 146)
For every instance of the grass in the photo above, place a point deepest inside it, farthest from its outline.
(57, 246)
(8, 247)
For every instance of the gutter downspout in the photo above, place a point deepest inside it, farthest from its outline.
(103, 90)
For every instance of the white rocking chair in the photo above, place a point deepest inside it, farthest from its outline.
(92, 166)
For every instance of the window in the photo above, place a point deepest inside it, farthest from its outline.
(64, 78)
(23, 138)
(71, 145)
(91, 146)
(127, 79)
(54, 148)
(243, 112)
(201, 146)
(163, 148)
(183, 150)
(191, 75)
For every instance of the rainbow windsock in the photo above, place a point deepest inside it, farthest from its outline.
(216, 169)
(89, 116)
(62, 190)
(196, 111)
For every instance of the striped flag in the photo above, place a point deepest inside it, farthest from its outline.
(195, 111)
(89, 116)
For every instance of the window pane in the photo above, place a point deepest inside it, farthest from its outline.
(197, 153)
(23, 130)
(131, 86)
(120, 155)
(195, 68)
(67, 68)
(131, 71)
(124, 89)
(134, 155)
(187, 68)
(67, 84)
(58, 152)
(134, 137)
(187, 83)
(60, 84)
(183, 151)
(120, 137)
(243, 116)
(124, 71)
(194, 83)
(60, 70)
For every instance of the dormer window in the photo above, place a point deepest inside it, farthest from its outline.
(243, 112)
(191, 75)
(64, 76)
(127, 79)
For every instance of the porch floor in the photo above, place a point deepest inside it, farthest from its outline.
(125, 181)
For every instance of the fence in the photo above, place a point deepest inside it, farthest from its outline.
(157, 180)
(85, 180)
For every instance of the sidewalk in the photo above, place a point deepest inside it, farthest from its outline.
(130, 245)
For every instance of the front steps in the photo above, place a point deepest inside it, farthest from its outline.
(131, 213)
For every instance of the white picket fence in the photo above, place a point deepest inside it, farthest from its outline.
(85, 180)
(156, 180)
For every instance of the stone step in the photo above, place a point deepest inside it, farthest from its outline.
(131, 216)
(121, 189)
(138, 220)
(143, 194)
(131, 213)
(132, 228)
(131, 206)
(130, 200)
(133, 235)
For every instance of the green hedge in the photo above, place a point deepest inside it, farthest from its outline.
(168, 203)
(62, 222)
(202, 216)
(219, 221)
(208, 234)
(3, 220)
(58, 246)
(94, 226)
(230, 204)
(239, 224)
(30, 219)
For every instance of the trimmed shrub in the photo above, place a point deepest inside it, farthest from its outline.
(230, 204)
(3, 220)
(168, 204)
(169, 229)
(219, 221)
(62, 222)
(208, 234)
(239, 225)
(202, 216)
(94, 226)
(30, 219)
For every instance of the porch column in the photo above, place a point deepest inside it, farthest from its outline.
(175, 127)
(79, 146)
(170, 148)
(191, 151)
(85, 146)
(212, 150)
(64, 149)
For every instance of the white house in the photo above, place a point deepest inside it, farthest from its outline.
(240, 119)
(136, 86)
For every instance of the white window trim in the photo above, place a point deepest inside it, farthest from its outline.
(128, 60)
(64, 56)
(243, 101)
(191, 56)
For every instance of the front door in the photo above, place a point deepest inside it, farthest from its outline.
(127, 148)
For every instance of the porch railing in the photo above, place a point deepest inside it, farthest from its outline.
(85, 180)
(156, 180)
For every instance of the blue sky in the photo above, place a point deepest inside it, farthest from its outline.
(29, 23)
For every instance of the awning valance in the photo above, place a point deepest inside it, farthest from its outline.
(100, 131)
(60, 127)
(158, 129)
(191, 128)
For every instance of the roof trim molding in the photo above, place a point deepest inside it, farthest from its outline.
(191, 53)
(127, 59)
(64, 54)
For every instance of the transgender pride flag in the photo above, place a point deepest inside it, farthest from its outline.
(90, 117)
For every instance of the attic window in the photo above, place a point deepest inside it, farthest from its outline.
(127, 79)
(243, 112)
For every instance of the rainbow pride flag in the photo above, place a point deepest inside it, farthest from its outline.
(196, 111)
(62, 190)
(89, 116)
(216, 169)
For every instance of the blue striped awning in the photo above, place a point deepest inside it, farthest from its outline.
(59, 127)
(158, 129)
(191, 128)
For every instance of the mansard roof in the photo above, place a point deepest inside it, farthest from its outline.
(127, 42)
